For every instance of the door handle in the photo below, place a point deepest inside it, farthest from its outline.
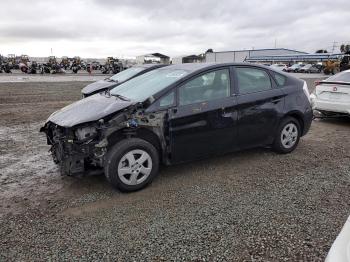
(276, 100)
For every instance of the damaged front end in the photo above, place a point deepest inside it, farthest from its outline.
(75, 149)
(82, 149)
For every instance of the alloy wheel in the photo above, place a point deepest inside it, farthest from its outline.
(289, 135)
(134, 167)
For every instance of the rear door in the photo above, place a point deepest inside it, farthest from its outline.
(260, 106)
(204, 121)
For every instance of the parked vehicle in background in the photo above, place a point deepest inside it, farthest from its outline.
(331, 67)
(294, 68)
(118, 78)
(336, 66)
(300, 67)
(340, 250)
(345, 63)
(332, 96)
(280, 67)
(309, 68)
(176, 114)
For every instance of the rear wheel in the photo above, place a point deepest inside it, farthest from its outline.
(288, 135)
(131, 164)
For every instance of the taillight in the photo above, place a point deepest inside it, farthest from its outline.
(306, 91)
(317, 82)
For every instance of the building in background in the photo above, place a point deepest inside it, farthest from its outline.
(153, 58)
(244, 55)
(187, 59)
(290, 59)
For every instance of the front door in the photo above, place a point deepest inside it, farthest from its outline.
(204, 121)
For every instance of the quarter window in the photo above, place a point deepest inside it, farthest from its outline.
(167, 100)
(252, 80)
(280, 79)
(210, 86)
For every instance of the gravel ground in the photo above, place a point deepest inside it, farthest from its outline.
(249, 206)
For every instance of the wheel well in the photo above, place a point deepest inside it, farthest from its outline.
(150, 137)
(298, 117)
(142, 133)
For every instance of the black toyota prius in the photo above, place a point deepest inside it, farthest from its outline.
(177, 114)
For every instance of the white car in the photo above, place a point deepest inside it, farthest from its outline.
(332, 96)
(281, 67)
(340, 250)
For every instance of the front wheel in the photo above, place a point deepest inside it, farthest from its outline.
(131, 164)
(288, 136)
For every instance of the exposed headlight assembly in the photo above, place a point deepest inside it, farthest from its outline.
(85, 133)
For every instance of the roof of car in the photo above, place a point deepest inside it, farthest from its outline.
(150, 65)
(191, 67)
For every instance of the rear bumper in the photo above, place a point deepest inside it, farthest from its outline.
(331, 106)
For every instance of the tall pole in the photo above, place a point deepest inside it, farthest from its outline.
(334, 46)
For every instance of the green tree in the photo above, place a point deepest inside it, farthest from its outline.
(345, 48)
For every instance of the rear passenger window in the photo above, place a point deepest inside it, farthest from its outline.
(252, 80)
(280, 79)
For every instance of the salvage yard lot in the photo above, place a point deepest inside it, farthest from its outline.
(243, 206)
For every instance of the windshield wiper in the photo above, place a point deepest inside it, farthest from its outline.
(121, 97)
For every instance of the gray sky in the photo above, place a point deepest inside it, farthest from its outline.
(126, 28)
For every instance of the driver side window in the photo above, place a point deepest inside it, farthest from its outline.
(209, 86)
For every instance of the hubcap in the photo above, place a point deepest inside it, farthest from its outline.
(134, 167)
(289, 135)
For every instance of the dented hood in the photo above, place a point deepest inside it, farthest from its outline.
(97, 86)
(88, 109)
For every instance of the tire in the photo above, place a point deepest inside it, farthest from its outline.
(291, 126)
(122, 167)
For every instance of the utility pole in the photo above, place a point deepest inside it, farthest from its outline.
(334, 46)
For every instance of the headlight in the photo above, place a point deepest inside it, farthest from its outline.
(85, 132)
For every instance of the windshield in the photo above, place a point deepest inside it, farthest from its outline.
(126, 74)
(308, 66)
(295, 66)
(341, 77)
(148, 84)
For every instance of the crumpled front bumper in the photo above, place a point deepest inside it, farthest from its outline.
(70, 155)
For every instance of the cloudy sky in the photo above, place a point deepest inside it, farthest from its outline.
(126, 28)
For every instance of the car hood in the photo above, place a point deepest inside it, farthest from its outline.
(96, 86)
(88, 109)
